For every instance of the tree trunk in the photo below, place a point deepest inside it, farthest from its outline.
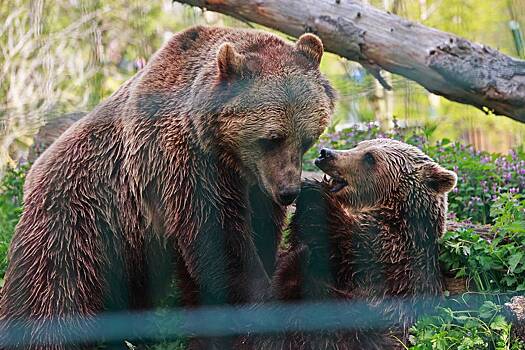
(443, 63)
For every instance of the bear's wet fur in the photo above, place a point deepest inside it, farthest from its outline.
(367, 234)
(159, 182)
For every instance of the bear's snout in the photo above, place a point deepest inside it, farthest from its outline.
(326, 155)
(288, 195)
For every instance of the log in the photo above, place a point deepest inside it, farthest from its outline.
(443, 63)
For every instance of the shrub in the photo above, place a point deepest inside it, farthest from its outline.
(482, 178)
(496, 262)
(464, 328)
(11, 194)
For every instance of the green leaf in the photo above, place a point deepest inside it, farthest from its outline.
(499, 323)
(488, 309)
(514, 261)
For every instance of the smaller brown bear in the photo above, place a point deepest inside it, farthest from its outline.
(369, 233)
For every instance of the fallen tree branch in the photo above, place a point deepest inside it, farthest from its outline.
(441, 62)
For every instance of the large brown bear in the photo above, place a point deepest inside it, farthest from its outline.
(162, 179)
(369, 234)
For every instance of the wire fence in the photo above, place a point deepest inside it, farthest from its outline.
(224, 321)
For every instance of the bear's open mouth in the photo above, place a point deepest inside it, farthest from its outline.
(334, 183)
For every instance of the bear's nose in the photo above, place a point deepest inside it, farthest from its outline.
(326, 153)
(287, 196)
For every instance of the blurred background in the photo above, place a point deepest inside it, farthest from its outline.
(67, 55)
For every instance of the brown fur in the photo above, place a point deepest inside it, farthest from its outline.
(375, 239)
(162, 178)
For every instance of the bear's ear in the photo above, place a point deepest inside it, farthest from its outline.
(438, 178)
(310, 46)
(230, 63)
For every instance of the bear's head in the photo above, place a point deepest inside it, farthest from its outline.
(270, 104)
(385, 172)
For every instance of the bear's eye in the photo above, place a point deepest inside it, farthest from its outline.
(270, 143)
(369, 159)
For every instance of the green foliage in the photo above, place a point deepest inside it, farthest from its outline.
(496, 262)
(464, 328)
(482, 177)
(11, 195)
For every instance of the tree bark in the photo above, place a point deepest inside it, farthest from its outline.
(443, 63)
